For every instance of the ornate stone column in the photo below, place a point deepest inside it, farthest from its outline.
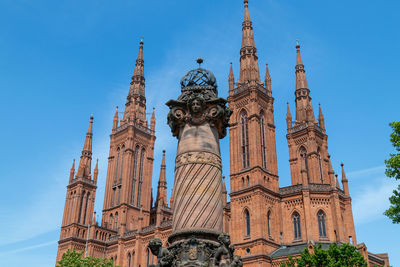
(198, 118)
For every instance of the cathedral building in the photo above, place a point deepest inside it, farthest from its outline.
(267, 223)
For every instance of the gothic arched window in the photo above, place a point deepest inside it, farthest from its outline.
(296, 225)
(245, 139)
(116, 167)
(86, 206)
(129, 259)
(80, 207)
(269, 222)
(116, 221)
(263, 145)
(320, 165)
(304, 161)
(140, 177)
(247, 218)
(321, 223)
(122, 164)
(111, 221)
(133, 259)
(134, 171)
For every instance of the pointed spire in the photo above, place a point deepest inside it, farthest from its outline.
(337, 182)
(304, 110)
(321, 119)
(84, 168)
(231, 80)
(153, 120)
(288, 117)
(161, 200)
(171, 199)
(345, 182)
(224, 192)
(72, 171)
(268, 86)
(249, 71)
(115, 119)
(136, 100)
(96, 172)
(301, 81)
(331, 173)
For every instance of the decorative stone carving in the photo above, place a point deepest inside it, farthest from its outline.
(224, 254)
(164, 257)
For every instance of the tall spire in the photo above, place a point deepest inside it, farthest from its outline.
(161, 200)
(96, 172)
(249, 71)
(304, 111)
(153, 120)
(86, 157)
(268, 86)
(72, 171)
(231, 80)
(321, 120)
(288, 117)
(345, 182)
(135, 107)
(115, 119)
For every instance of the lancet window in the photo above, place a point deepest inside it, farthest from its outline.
(247, 219)
(140, 177)
(80, 207)
(304, 161)
(320, 165)
(86, 206)
(296, 226)
(122, 164)
(245, 139)
(116, 167)
(134, 171)
(321, 223)
(263, 145)
(269, 222)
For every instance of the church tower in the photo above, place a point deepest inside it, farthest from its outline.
(127, 200)
(307, 139)
(79, 202)
(253, 163)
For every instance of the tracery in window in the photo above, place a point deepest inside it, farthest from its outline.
(245, 139)
(321, 223)
(263, 144)
(296, 226)
(140, 177)
(134, 171)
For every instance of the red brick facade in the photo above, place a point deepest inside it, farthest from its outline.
(262, 218)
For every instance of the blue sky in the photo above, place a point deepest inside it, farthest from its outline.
(61, 61)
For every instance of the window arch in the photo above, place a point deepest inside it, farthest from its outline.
(140, 176)
(304, 161)
(134, 171)
(245, 139)
(80, 207)
(116, 167)
(133, 259)
(122, 164)
(116, 221)
(129, 259)
(263, 143)
(86, 206)
(247, 220)
(321, 223)
(296, 225)
(111, 221)
(320, 165)
(269, 223)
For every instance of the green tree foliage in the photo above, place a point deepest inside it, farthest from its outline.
(393, 171)
(337, 256)
(75, 259)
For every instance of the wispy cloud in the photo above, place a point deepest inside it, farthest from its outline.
(370, 171)
(28, 248)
